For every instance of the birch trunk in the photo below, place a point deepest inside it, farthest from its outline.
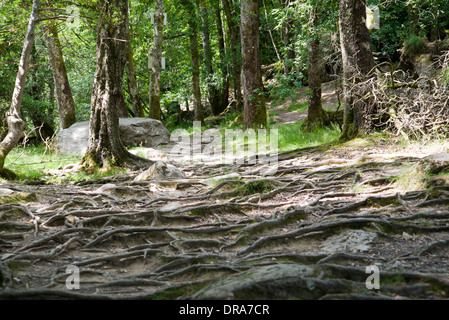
(16, 125)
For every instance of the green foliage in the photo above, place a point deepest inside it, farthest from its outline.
(414, 45)
(282, 88)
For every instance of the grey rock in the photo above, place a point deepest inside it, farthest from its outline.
(277, 281)
(160, 170)
(436, 163)
(143, 132)
(5, 191)
(349, 241)
(149, 153)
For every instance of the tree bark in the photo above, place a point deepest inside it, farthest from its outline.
(196, 73)
(16, 125)
(64, 98)
(253, 95)
(236, 65)
(214, 92)
(105, 148)
(194, 53)
(221, 49)
(315, 69)
(315, 109)
(289, 52)
(133, 87)
(156, 62)
(357, 59)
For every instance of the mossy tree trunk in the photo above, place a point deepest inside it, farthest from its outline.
(105, 148)
(16, 125)
(357, 59)
(253, 95)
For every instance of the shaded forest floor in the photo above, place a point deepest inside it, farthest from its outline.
(307, 231)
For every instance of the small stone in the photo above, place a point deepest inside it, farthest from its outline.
(160, 170)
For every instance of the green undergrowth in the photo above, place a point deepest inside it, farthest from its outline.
(292, 136)
(37, 164)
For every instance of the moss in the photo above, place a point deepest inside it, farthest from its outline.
(21, 197)
(198, 212)
(7, 174)
(252, 187)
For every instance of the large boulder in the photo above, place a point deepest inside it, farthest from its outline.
(143, 132)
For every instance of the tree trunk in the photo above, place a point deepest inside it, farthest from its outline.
(236, 66)
(224, 66)
(16, 125)
(156, 62)
(133, 88)
(315, 69)
(64, 98)
(105, 148)
(315, 110)
(253, 95)
(357, 59)
(194, 53)
(214, 93)
(289, 52)
(196, 73)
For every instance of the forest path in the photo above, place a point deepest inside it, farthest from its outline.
(285, 116)
(308, 230)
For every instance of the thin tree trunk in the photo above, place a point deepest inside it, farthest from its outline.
(156, 62)
(289, 52)
(196, 73)
(315, 69)
(64, 98)
(133, 88)
(357, 59)
(236, 66)
(214, 93)
(315, 109)
(221, 49)
(194, 53)
(16, 125)
(105, 148)
(253, 95)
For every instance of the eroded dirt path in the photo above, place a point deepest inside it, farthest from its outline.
(309, 230)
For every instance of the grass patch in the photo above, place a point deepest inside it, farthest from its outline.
(30, 163)
(292, 136)
(33, 163)
(411, 179)
(298, 107)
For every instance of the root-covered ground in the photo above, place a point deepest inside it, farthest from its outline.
(308, 231)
